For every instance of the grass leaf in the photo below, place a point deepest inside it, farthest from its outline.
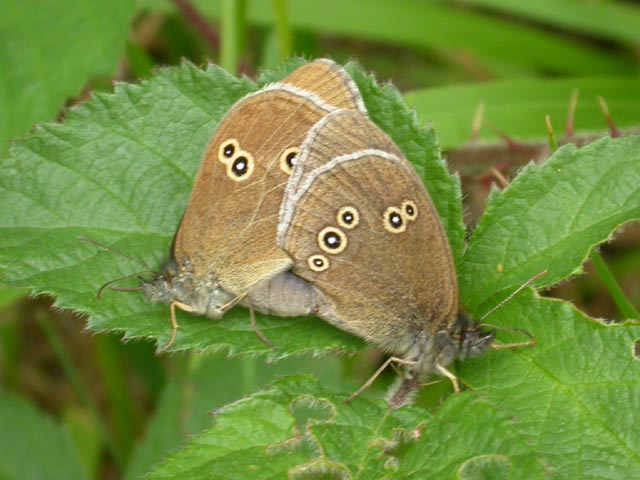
(518, 107)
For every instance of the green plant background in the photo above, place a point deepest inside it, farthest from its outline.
(117, 166)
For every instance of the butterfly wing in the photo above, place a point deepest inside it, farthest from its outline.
(363, 230)
(340, 133)
(228, 229)
(328, 81)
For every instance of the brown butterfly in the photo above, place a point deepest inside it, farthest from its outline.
(361, 228)
(224, 250)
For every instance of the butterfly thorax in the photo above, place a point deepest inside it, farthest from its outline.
(462, 340)
(432, 353)
(429, 350)
(178, 283)
(473, 340)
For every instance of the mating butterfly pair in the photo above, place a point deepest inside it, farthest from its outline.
(301, 206)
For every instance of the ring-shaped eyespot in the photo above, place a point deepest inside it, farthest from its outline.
(288, 159)
(318, 263)
(393, 220)
(228, 150)
(332, 240)
(348, 217)
(410, 210)
(241, 167)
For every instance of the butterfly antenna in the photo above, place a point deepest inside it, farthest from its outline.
(109, 284)
(109, 249)
(517, 291)
(532, 341)
(122, 289)
(495, 346)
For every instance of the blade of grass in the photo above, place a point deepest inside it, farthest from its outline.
(622, 302)
(122, 409)
(79, 388)
(232, 28)
(282, 28)
(140, 62)
(609, 20)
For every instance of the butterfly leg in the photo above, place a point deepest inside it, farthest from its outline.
(376, 374)
(450, 376)
(255, 328)
(174, 323)
(232, 303)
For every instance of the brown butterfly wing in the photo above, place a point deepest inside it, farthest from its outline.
(339, 133)
(330, 82)
(364, 232)
(228, 229)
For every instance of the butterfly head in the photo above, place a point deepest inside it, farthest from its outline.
(178, 284)
(473, 339)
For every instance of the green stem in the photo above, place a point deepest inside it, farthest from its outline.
(123, 416)
(618, 296)
(78, 386)
(282, 27)
(232, 33)
(553, 145)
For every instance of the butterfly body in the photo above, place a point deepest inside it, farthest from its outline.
(203, 295)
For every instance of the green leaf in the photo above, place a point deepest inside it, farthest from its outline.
(574, 398)
(295, 427)
(518, 107)
(204, 383)
(33, 446)
(48, 51)
(120, 170)
(550, 217)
